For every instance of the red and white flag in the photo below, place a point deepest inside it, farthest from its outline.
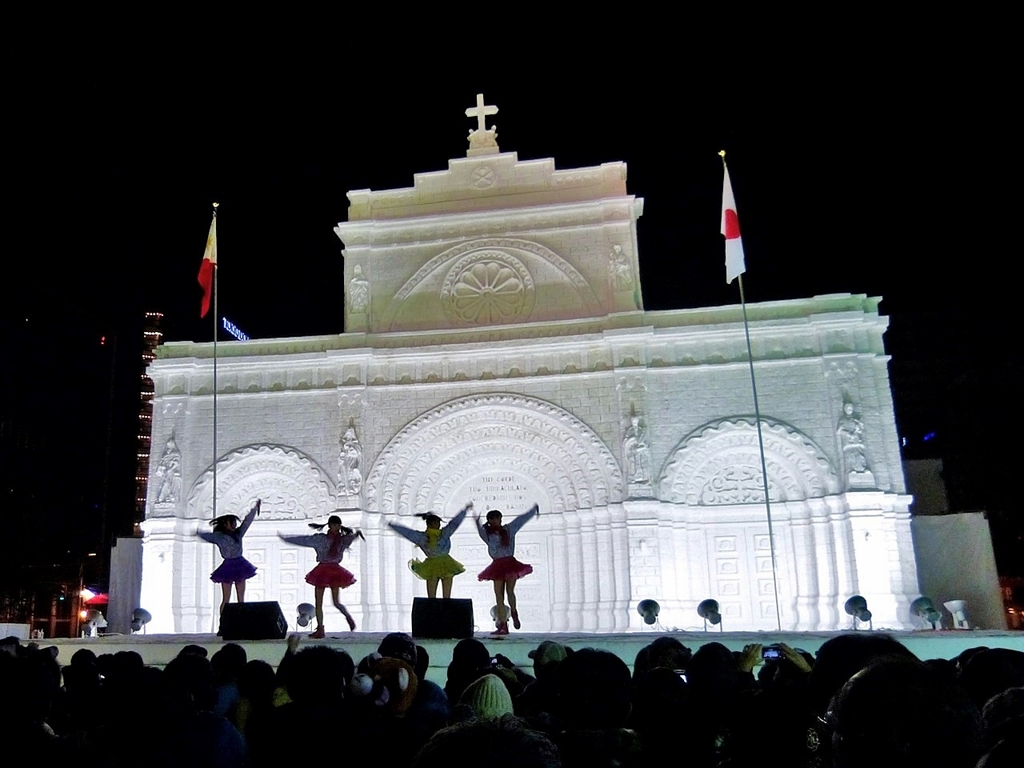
(734, 262)
(207, 268)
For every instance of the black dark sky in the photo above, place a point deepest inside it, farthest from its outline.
(868, 156)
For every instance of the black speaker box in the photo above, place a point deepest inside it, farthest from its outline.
(442, 619)
(253, 621)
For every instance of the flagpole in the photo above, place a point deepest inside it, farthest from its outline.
(760, 434)
(764, 464)
(215, 316)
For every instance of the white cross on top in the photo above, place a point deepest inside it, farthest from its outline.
(480, 112)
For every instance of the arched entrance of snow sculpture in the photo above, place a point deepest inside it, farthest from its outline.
(506, 452)
(177, 563)
(719, 466)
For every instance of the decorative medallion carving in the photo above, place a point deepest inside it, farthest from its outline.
(720, 463)
(504, 246)
(487, 288)
(483, 177)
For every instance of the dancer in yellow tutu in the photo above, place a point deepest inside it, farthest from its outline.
(436, 543)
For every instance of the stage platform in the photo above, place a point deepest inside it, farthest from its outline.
(157, 650)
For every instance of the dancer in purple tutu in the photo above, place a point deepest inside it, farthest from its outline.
(328, 574)
(227, 534)
(504, 569)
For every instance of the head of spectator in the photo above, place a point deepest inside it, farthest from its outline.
(546, 658)
(399, 645)
(593, 691)
(840, 658)
(504, 742)
(318, 676)
(899, 712)
(488, 698)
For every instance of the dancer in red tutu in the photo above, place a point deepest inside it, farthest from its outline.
(330, 548)
(227, 534)
(505, 570)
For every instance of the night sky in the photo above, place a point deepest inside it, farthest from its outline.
(864, 161)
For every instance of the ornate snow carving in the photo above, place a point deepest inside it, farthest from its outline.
(543, 446)
(850, 432)
(512, 252)
(487, 288)
(720, 463)
(358, 291)
(350, 477)
(620, 274)
(168, 474)
(290, 483)
(482, 140)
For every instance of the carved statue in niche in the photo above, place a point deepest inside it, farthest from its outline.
(636, 451)
(351, 480)
(620, 276)
(358, 291)
(168, 474)
(851, 439)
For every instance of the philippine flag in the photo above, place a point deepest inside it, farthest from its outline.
(208, 266)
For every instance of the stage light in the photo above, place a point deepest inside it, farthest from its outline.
(925, 609)
(94, 622)
(708, 610)
(305, 612)
(649, 609)
(494, 613)
(959, 610)
(140, 618)
(857, 607)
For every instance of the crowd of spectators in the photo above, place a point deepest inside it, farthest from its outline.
(863, 699)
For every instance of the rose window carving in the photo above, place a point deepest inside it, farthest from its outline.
(487, 288)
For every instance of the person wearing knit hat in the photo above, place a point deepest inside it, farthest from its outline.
(470, 659)
(488, 698)
(436, 544)
(547, 656)
(540, 695)
(507, 742)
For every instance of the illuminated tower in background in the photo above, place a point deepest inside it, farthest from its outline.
(151, 338)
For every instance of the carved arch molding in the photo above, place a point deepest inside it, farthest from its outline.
(539, 444)
(490, 281)
(720, 463)
(291, 484)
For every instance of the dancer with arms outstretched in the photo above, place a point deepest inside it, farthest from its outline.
(436, 544)
(227, 534)
(328, 574)
(504, 569)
